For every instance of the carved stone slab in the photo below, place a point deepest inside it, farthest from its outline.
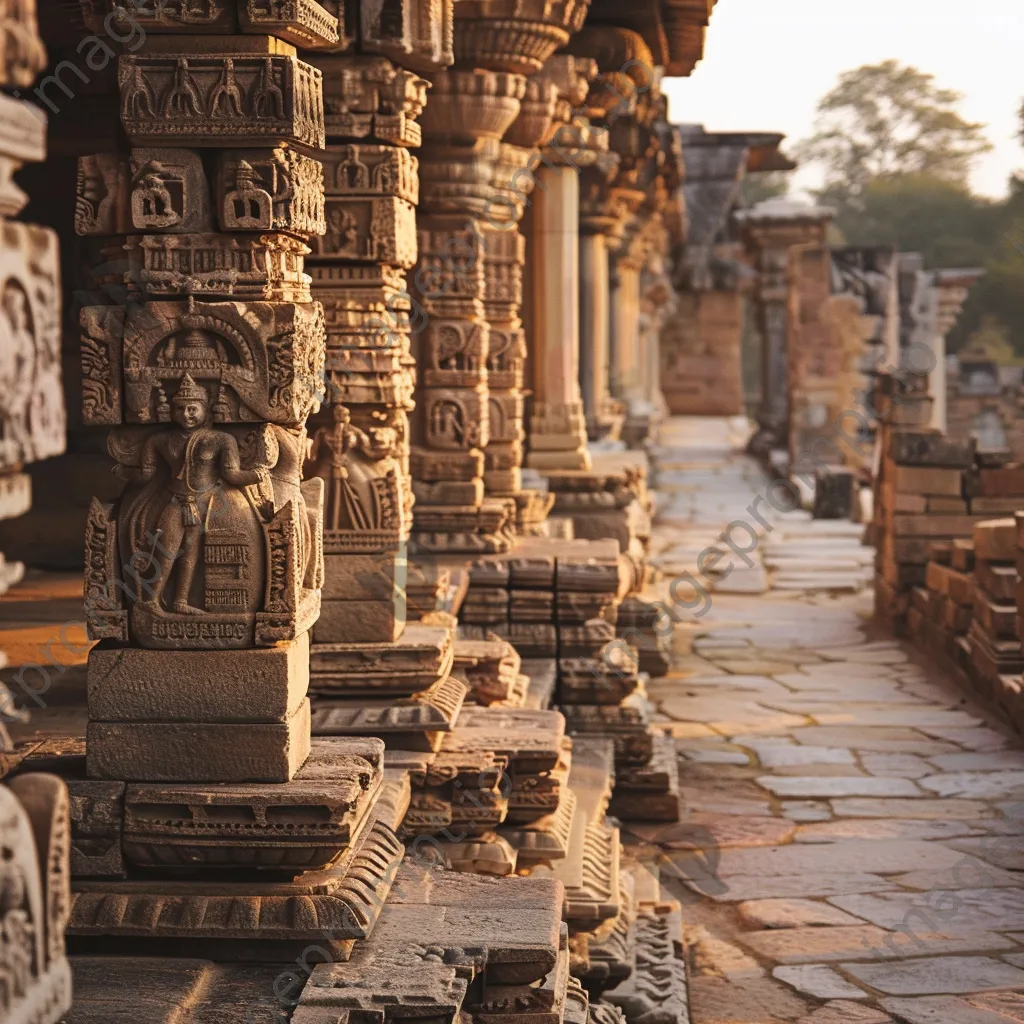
(368, 230)
(199, 752)
(422, 656)
(302, 825)
(658, 986)
(159, 990)
(627, 724)
(32, 417)
(534, 795)
(303, 23)
(650, 792)
(221, 99)
(258, 360)
(370, 98)
(547, 838)
(531, 740)
(131, 684)
(415, 723)
(344, 900)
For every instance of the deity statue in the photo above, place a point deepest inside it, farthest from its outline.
(195, 490)
(343, 456)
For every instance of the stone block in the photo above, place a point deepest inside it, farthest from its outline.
(265, 684)
(836, 494)
(930, 448)
(199, 752)
(364, 577)
(361, 621)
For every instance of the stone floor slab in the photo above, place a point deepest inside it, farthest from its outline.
(944, 975)
(967, 909)
(924, 808)
(948, 1010)
(769, 914)
(819, 982)
(825, 787)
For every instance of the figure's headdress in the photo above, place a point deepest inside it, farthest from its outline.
(190, 391)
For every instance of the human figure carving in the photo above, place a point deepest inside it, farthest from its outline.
(199, 460)
(334, 452)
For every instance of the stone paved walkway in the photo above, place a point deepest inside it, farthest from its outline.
(861, 822)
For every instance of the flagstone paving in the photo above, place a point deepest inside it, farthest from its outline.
(855, 848)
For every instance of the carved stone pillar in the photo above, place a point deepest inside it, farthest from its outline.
(361, 443)
(772, 229)
(206, 378)
(32, 417)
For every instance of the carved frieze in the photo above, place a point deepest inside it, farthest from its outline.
(221, 99)
(368, 230)
(209, 17)
(256, 361)
(258, 267)
(414, 33)
(372, 171)
(303, 23)
(32, 417)
(466, 106)
(270, 190)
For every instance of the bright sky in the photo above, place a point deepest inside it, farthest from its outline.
(768, 62)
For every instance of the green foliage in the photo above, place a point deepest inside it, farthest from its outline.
(1000, 293)
(897, 156)
(944, 221)
(886, 119)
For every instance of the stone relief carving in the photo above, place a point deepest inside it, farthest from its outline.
(32, 417)
(216, 541)
(262, 190)
(365, 505)
(204, 100)
(263, 361)
(35, 979)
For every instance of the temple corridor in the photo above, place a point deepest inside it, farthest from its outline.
(850, 802)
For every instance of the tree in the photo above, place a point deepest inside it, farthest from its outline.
(884, 120)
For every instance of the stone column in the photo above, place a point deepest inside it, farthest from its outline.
(595, 326)
(772, 230)
(558, 436)
(32, 416)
